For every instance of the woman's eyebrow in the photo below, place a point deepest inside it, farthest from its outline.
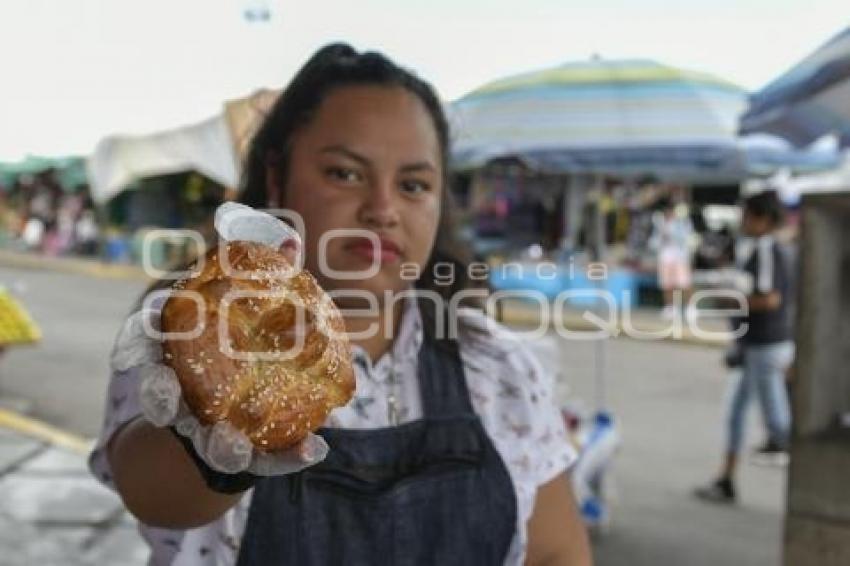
(342, 150)
(346, 152)
(418, 166)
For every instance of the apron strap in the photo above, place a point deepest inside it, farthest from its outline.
(442, 379)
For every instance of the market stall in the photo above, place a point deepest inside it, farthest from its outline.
(573, 159)
(174, 178)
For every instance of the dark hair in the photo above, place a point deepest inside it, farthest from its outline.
(664, 203)
(333, 67)
(765, 204)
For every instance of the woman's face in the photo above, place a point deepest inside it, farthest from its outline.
(368, 160)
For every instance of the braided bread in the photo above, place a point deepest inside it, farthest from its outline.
(272, 357)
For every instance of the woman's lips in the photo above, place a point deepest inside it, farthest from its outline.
(387, 251)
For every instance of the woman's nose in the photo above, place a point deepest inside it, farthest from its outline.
(379, 209)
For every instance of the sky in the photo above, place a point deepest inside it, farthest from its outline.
(74, 71)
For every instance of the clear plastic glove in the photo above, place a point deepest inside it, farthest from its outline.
(221, 446)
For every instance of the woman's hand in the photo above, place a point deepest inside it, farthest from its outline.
(222, 446)
(163, 477)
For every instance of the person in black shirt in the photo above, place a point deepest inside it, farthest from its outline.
(765, 345)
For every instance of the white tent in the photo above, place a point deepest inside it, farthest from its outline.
(205, 147)
(214, 147)
(837, 179)
(791, 187)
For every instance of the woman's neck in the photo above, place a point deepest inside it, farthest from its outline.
(376, 333)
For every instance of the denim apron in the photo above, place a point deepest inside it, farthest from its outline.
(428, 492)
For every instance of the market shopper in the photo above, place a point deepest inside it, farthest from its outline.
(671, 240)
(356, 142)
(765, 351)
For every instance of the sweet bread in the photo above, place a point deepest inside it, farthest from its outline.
(272, 357)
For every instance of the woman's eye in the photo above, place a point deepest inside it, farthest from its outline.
(342, 174)
(414, 186)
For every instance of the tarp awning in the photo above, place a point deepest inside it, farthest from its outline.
(205, 147)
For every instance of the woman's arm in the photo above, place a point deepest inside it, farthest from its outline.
(556, 534)
(765, 302)
(158, 481)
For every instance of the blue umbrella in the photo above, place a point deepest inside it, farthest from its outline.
(808, 101)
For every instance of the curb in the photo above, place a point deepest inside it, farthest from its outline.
(88, 267)
(39, 430)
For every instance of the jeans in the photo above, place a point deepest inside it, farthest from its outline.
(762, 373)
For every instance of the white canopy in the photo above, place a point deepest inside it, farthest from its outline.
(791, 187)
(205, 147)
(214, 147)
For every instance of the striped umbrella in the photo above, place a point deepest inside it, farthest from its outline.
(810, 100)
(611, 116)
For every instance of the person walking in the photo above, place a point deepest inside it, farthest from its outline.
(765, 349)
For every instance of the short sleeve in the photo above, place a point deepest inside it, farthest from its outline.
(122, 406)
(781, 271)
(550, 450)
(515, 397)
(766, 268)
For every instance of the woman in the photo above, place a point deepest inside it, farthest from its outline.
(356, 142)
(671, 240)
(765, 349)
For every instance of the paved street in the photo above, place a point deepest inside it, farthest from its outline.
(55, 514)
(667, 397)
(65, 375)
